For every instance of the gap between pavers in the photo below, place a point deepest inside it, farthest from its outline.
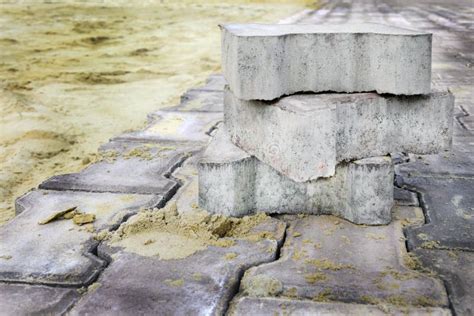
(60, 252)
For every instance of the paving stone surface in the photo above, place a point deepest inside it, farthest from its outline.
(201, 284)
(128, 167)
(276, 306)
(231, 182)
(21, 299)
(325, 258)
(304, 136)
(176, 126)
(350, 57)
(405, 197)
(59, 252)
(456, 270)
(199, 100)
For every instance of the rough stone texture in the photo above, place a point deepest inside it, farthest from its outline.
(448, 203)
(200, 101)
(128, 167)
(175, 126)
(148, 288)
(20, 299)
(60, 252)
(232, 182)
(405, 197)
(304, 136)
(264, 62)
(274, 306)
(456, 270)
(325, 258)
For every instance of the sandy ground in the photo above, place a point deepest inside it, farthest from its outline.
(73, 75)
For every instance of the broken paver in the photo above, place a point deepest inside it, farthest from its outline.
(325, 258)
(264, 62)
(304, 136)
(231, 182)
(448, 203)
(128, 167)
(175, 126)
(21, 299)
(264, 306)
(455, 268)
(200, 284)
(59, 252)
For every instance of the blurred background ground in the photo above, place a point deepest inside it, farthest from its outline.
(75, 73)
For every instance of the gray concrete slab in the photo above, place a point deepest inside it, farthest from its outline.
(341, 58)
(304, 136)
(128, 167)
(448, 203)
(175, 126)
(231, 182)
(405, 197)
(21, 299)
(325, 258)
(59, 252)
(263, 306)
(200, 284)
(200, 100)
(456, 270)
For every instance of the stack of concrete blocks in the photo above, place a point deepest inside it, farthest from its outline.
(311, 113)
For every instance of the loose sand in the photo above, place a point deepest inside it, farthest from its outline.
(73, 75)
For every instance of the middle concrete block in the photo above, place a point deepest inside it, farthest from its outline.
(304, 136)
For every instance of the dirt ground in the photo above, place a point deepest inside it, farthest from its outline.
(74, 74)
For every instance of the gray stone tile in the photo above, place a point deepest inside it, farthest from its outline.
(456, 270)
(201, 284)
(404, 197)
(214, 82)
(199, 100)
(128, 167)
(21, 299)
(448, 203)
(175, 126)
(263, 306)
(325, 258)
(60, 252)
(468, 122)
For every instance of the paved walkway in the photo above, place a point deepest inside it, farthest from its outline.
(421, 263)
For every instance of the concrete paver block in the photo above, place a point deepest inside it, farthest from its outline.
(264, 62)
(328, 259)
(21, 299)
(59, 252)
(263, 306)
(304, 136)
(128, 167)
(455, 268)
(200, 284)
(175, 126)
(448, 204)
(231, 182)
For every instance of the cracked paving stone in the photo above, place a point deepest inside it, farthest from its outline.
(404, 197)
(449, 207)
(326, 258)
(176, 126)
(456, 269)
(21, 299)
(128, 167)
(274, 306)
(59, 252)
(200, 101)
(201, 284)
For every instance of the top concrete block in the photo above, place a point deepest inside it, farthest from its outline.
(264, 62)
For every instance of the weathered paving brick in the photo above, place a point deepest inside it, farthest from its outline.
(263, 306)
(455, 268)
(175, 126)
(325, 258)
(128, 167)
(264, 62)
(448, 203)
(304, 136)
(59, 252)
(21, 299)
(201, 284)
(231, 182)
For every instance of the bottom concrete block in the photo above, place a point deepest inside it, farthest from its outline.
(231, 182)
